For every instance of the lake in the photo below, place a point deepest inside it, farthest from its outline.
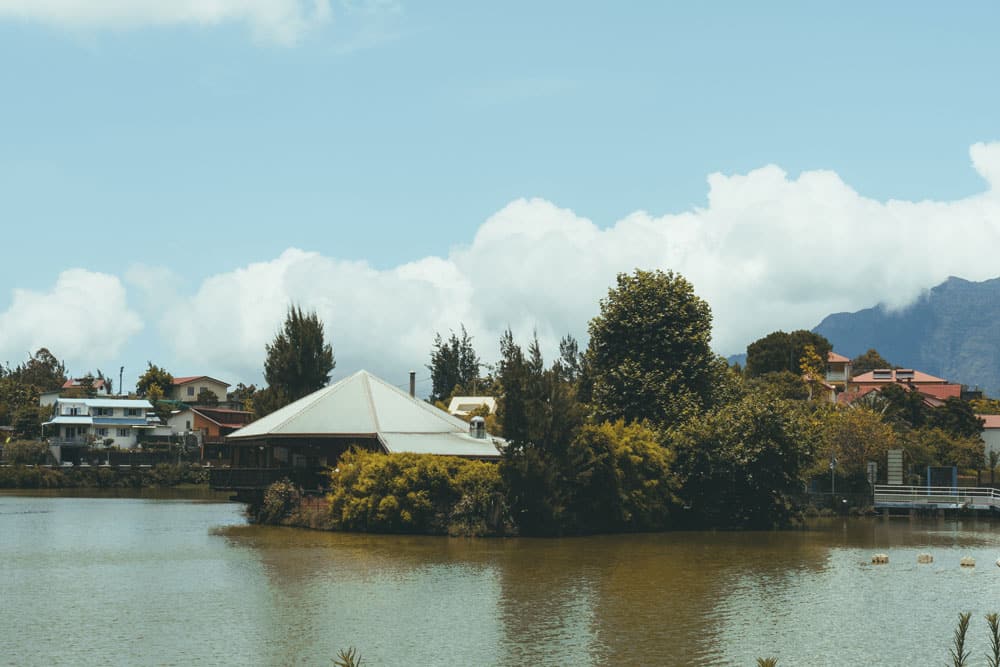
(167, 579)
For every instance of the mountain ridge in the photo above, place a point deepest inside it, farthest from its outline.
(952, 331)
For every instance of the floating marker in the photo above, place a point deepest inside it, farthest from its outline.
(967, 561)
(925, 558)
(880, 559)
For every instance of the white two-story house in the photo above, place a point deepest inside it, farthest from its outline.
(78, 422)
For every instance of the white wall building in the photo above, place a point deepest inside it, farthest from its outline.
(77, 422)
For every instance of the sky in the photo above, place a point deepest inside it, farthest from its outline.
(175, 173)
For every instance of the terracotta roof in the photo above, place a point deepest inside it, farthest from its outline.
(990, 421)
(834, 358)
(69, 384)
(900, 375)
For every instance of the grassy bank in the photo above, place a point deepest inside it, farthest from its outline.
(35, 477)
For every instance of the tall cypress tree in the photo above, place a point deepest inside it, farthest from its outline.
(299, 360)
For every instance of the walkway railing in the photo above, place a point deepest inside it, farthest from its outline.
(937, 497)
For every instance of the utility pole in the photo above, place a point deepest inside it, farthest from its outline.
(121, 371)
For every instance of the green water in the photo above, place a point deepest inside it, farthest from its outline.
(168, 580)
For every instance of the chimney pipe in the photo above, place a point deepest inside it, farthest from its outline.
(413, 384)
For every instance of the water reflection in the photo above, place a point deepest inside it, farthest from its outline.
(166, 581)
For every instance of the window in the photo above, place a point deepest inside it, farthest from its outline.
(73, 411)
(104, 412)
(190, 391)
(102, 432)
(124, 432)
(132, 412)
(189, 424)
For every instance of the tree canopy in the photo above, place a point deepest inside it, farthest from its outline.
(869, 361)
(649, 355)
(299, 360)
(780, 351)
(154, 376)
(454, 366)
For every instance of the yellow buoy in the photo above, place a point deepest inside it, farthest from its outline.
(880, 559)
(967, 561)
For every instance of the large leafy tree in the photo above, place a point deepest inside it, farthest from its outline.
(299, 360)
(869, 361)
(154, 376)
(780, 351)
(42, 370)
(740, 464)
(454, 366)
(649, 355)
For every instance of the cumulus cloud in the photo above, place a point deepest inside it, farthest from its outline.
(768, 251)
(84, 319)
(282, 21)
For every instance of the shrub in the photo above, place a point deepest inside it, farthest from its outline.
(280, 499)
(415, 493)
(26, 452)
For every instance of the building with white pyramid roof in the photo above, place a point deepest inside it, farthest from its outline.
(361, 410)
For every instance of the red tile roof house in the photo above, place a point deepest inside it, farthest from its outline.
(935, 390)
(100, 386)
(838, 369)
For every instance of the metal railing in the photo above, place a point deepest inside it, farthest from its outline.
(937, 496)
(242, 479)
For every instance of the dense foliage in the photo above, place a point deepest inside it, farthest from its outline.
(739, 465)
(649, 350)
(22, 385)
(780, 351)
(299, 360)
(454, 367)
(869, 361)
(415, 493)
(155, 382)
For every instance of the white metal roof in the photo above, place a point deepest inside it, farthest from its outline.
(71, 419)
(109, 402)
(365, 405)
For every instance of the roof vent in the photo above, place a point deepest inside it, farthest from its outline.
(477, 428)
(904, 374)
(882, 374)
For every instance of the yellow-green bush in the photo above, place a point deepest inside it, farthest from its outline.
(415, 493)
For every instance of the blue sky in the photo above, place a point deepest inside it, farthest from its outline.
(172, 152)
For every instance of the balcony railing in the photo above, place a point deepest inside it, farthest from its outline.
(251, 479)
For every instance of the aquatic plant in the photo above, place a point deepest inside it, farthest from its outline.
(959, 656)
(347, 658)
(767, 662)
(993, 660)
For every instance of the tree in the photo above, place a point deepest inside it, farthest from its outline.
(956, 417)
(454, 366)
(779, 384)
(298, 360)
(243, 395)
(207, 397)
(42, 370)
(649, 351)
(739, 465)
(869, 361)
(780, 351)
(154, 376)
(854, 436)
(813, 369)
(618, 477)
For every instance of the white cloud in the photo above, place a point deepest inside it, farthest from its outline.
(282, 21)
(769, 251)
(84, 319)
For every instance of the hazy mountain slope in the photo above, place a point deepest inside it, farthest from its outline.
(953, 331)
